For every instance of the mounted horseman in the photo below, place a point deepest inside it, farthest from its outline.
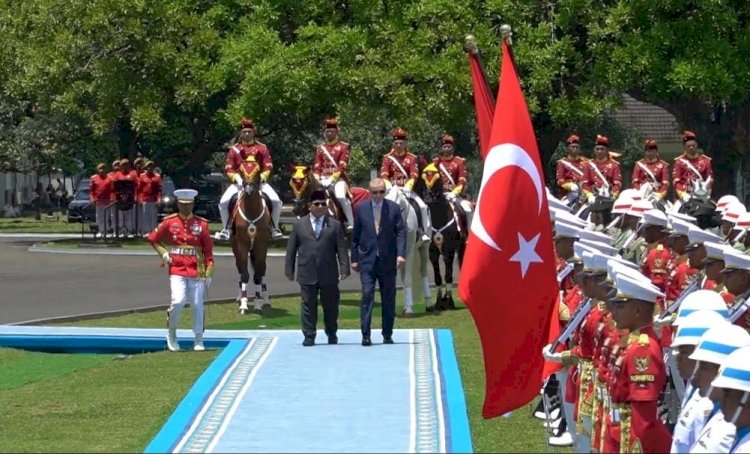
(692, 174)
(248, 149)
(455, 178)
(569, 171)
(651, 174)
(329, 169)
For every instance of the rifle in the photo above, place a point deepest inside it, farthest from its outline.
(581, 311)
(564, 272)
(695, 285)
(743, 302)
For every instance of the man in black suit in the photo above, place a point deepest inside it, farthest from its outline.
(378, 249)
(323, 261)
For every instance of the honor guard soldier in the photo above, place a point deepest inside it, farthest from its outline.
(651, 174)
(696, 252)
(400, 168)
(734, 382)
(716, 344)
(569, 171)
(737, 281)
(101, 196)
(455, 177)
(681, 273)
(184, 243)
(149, 195)
(713, 265)
(329, 168)
(639, 374)
(692, 170)
(602, 174)
(658, 256)
(695, 408)
(248, 149)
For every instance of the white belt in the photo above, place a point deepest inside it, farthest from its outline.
(614, 415)
(182, 251)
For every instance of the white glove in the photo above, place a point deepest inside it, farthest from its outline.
(685, 197)
(407, 191)
(325, 182)
(208, 281)
(573, 187)
(450, 196)
(591, 199)
(660, 322)
(166, 258)
(237, 179)
(551, 356)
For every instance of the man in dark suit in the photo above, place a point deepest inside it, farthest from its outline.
(378, 249)
(323, 261)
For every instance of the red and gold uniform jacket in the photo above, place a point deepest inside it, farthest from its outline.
(683, 175)
(331, 158)
(584, 339)
(609, 169)
(239, 153)
(149, 190)
(635, 385)
(656, 265)
(189, 244)
(569, 171)
(452, 172)
(654, 172)
(607, 352)
(680, 278)
(406, 171)
(129, 176)
(101, 192)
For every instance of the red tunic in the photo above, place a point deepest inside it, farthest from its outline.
(609, 169)
(683, 176)
(188, 242)
(331, 158)
(452, 171)
(654, 172)
(680, 278)
(569, 170)
(101, 190)
(399, 174)
(239, 153)
(656, 266)
(149, 190)
(636, 382)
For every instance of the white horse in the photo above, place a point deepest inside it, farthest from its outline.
(417, 253)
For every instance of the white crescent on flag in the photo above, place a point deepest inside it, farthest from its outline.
(500, 157)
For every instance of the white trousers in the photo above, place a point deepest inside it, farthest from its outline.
(424, 212)
(265, 188)
(101, 219)
(340, 189)
(127, 220)
(186, 289)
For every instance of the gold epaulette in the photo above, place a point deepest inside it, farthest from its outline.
(171, 216)
(680, 157)
(644, 340)
(660, 247)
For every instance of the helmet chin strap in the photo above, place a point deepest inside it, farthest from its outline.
(743, 401)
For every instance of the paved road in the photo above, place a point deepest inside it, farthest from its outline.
(37, 286)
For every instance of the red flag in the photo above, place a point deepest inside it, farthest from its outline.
(508, 276)
(484, 102)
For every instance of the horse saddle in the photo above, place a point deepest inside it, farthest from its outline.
(602, 204)
(233, 207)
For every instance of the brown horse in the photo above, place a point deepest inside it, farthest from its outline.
(251, 222)
(303, 183)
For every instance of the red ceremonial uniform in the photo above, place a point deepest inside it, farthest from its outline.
(569, 171)
(452, 171)
(572, 299)
(188, 242)
(101, 190)
(399, 174)
(239, 153)
(683, 174)
(636, 382)
(129, 176)
(149, 190)
(608, 353)
(331, 158)
(656, 266)
(654, 172)
(680, 278)
(609, 169)
(585, 338)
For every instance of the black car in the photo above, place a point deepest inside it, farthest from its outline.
(167, 204)
(80, 208)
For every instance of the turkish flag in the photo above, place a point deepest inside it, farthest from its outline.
(508, 278)
(484, 102)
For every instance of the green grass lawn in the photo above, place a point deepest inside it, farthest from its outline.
(106, 403)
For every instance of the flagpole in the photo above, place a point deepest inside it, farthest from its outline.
(471, 47)
(507, 33)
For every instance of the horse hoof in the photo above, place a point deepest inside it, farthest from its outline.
(266, 305)
(258, 311)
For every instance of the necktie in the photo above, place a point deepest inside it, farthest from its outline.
(317, 227)
(377, 219)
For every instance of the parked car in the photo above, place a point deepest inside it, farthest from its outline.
(80, 208)
(167, 204)
(210, 189)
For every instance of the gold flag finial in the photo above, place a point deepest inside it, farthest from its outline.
(470, 44)
(507, 33)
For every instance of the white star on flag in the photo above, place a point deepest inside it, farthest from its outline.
(526, 253)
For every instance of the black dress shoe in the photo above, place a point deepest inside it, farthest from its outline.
(308, 342)
(366, 342)
(387, 339)
(333, 340)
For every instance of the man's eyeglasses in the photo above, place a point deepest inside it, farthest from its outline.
(318, 204)
(378, 191)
